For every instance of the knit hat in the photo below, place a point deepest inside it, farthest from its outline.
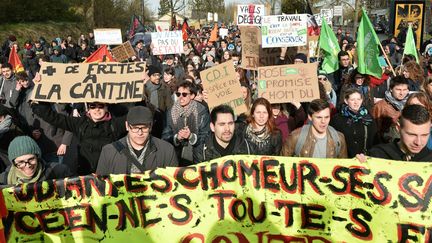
(301, 56)
(23, 145)
(139, 115)
(152, 70)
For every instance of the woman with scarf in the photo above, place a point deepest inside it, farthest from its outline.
(261, 129)
(356, 123)
(27, 165)
(361, 83)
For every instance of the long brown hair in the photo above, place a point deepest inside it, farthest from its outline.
(423, 98)
(271, 127)
(415, 71)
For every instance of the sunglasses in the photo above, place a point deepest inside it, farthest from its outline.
(94, 106)
(182, 94)
(322, 78)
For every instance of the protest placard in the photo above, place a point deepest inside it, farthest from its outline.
(223, 87)
(288, 83)
(243, 198)
(108, 36)
(250, 14)
(223, 32)
(90, 82)
(123, 51)
(167, 42)
(284, 30)
(250, 38)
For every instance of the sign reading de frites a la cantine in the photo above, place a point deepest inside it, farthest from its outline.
(90, 82)
(231, 199)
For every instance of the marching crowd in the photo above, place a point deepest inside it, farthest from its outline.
(357, 115)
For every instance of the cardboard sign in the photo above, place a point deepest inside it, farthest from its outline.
(287, 83)
(168, 42)
(326, 15)
(250, 38)
(243, 198)
(284, 30)
(410, 12)
(108, 36)
(223, 87)
(250, 14)
(90, 82)
(123, 51)
(223, 32)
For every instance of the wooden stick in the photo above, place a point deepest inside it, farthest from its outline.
(388, 61)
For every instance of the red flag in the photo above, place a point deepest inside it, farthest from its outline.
(185, 29)
(214, 33)
(312, 25)
(100, 55)
(135, 27)
(15, 61)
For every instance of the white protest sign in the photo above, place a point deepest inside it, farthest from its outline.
(167, 42)
(284, 30)
(250, 14)
(108, 36)
(337, 10)
(223, 32)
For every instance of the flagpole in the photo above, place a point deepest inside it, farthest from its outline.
(388, 61)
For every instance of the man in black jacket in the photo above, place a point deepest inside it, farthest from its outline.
(139, 151)
(414, 128)
(223, 140)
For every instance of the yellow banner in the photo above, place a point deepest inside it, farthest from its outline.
(231, 199)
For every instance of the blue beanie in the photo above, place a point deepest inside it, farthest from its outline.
(23, 145)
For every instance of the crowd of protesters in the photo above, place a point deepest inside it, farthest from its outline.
(356, 115)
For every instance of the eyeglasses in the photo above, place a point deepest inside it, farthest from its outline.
(322, 78)
(92, 106)
(182, 94)
(21, 164)
(144, 128)
(359, 77)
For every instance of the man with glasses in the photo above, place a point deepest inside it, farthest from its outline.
(138, 151)
(28, 166)
(187, 123)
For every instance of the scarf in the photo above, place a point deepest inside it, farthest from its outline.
(225, 151)
(260, 138)
(16, 177)
(153, 90)
(107, 116)
(361, 116)
(397, 104)
(140, 159)
(185, 116)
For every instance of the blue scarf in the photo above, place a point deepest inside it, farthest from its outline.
(361, 116)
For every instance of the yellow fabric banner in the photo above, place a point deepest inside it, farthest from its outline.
(231, 199)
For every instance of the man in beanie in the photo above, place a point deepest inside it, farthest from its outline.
(139, 151)
(170, 62)
(27, 165)
(300, 58)
(156, 91)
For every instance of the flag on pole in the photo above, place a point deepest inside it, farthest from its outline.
(312, 25)
(185, 30)
(410, 45)
(135, 27)
(100, 55)
(329, 45)
(15, 61)
(367, 48)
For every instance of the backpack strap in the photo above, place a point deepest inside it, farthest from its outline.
(302, 139)
(124, 150)
(334, 134)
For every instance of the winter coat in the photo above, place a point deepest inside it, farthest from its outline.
(393, 152)
(272, 146)
(165, 101)
(113, 160)
(386, 118)
(207, 151)
(92, 136)
(308, 147)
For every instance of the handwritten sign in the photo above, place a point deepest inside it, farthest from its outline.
(167, 42)
(123, 51)
(231, 199)
(250, 14)
(108, 36)
(250, 38)
(287, 83)
(284, 30)
(223, 87)
(90, 82)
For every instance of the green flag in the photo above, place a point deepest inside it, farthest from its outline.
(329, 45)
(410, 45)
(367, 48)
